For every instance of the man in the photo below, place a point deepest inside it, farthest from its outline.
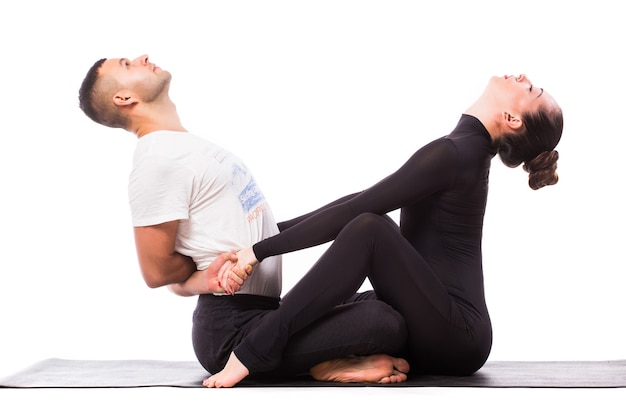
(193, 204)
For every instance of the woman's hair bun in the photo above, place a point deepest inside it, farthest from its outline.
(542, 169)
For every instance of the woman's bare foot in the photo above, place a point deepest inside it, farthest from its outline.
(232, 374)
(380, 368)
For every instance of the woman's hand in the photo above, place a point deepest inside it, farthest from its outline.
(235, 274)
(246, 257)
(232, 275)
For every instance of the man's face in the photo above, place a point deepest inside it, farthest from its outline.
(145, 79)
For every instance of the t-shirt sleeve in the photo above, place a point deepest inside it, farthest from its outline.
(159, 191)
(431, 169)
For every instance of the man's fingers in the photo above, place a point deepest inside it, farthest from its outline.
(242, 273)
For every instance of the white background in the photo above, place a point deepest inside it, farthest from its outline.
(320, 98)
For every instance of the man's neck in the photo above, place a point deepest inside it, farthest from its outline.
(146, 128)
(157, 118)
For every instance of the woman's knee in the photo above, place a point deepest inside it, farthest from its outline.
(368, 224)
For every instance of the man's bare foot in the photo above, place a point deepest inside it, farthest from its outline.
(380, 368)
(232, 374)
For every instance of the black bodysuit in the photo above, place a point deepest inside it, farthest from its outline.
(429, 268)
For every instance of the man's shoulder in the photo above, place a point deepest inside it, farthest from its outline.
(174, 144)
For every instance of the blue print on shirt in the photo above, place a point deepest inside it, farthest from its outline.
(250, 196)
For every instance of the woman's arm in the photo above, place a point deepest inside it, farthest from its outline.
(289, 223)
(429, 170)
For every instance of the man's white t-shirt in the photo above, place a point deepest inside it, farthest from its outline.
(180, 176)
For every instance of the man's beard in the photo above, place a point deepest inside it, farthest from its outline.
(160, 89)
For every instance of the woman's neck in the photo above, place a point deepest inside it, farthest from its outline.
(487, 116)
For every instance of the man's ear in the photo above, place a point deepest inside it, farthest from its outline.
(513, 122)
(124, 97)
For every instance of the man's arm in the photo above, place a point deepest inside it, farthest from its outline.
(222, 276)
(159, 262)
(161, 265)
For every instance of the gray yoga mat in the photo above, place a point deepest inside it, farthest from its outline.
(64, 373)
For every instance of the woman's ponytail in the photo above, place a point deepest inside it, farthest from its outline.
(542, 170)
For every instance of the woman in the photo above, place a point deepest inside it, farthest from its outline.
(430, 268)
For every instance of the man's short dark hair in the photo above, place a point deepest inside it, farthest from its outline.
(86, 93)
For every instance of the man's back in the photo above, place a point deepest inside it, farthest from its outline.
(180, 176)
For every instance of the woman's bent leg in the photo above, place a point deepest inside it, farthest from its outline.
(336, 276)
(361, 328)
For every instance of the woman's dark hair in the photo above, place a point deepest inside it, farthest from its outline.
(534, 146)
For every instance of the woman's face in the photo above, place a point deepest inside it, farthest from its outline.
(518, 95)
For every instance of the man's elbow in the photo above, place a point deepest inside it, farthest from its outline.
(152, 283)
(154, 279)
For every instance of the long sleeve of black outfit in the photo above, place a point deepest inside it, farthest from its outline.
(427, 171)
